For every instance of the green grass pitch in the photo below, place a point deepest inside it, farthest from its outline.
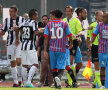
(11, 88)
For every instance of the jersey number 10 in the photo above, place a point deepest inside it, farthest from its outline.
(59, 36)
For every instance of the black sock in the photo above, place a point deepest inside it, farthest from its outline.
(71, 73)
(55, 74)
(60, 73)
(102, 80)
(77, 69)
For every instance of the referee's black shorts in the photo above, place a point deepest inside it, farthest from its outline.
(94, 53)
(73, 50)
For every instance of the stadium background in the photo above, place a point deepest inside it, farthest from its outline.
(44, 7)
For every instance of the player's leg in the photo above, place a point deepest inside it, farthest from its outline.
(53, 61)
(102, 63)
(25, 64)
(44, 68)
(33, 60)
(19, 63)
(95, 61)
(11, 57)
(78, 60)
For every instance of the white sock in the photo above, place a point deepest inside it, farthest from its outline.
(31, 74)
(19, 69)
(24, 75)
(14, 74)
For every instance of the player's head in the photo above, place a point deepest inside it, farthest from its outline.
(45, 19)
(0, 9)
(58, 13)
(82, 13)
(25, 16)
(13, 11)
(33, 14)
(99, 16)
(69, 11)
(52, 15)
(105, 17)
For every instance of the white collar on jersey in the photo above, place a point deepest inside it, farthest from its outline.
(69, 19)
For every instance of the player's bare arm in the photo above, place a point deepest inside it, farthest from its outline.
(45, 47)
(92, 40)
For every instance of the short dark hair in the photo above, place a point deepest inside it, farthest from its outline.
(45, 16)
(32, 12)
(69, 7)
(52, 12)
(14, 7)
(79, 10)
(58, 13)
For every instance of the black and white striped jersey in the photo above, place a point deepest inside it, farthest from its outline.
(7, 26)
(28, 37)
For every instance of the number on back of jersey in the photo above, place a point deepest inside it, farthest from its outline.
(26, 34)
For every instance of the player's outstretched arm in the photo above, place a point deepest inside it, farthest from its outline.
(39, 32)
(71, 41)
(92, 40)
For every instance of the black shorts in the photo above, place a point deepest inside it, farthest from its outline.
(73, 50)
(94, 53)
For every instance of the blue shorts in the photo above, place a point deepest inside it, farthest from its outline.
(103, 59)
(78, 56)
(68, 58)
(58, 59)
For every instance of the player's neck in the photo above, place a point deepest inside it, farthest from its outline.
(14, 17)
(69, 17)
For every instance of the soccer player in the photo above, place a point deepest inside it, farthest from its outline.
(29, 55)
(94, 48)
(76, 28)
(13, 51)
(102, 30)
(45, 64)
(56, 32)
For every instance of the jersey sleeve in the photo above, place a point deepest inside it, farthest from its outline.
(5, 25)
(35, 26)
(96, 31)
(46, 33)
(20, 26)
(89, 33)
(68, 31)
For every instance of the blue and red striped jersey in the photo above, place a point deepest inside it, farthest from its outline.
(102, 30)
(58, 31)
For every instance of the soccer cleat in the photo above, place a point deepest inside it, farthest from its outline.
(57, 83)
(15, 85)
(40, 84)
(19, 84)
(93, 86)
(67, 84)
(102, 87)
(30, 85)
(74, 85)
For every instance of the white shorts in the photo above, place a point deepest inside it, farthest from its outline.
(29, 57)
(13, 52)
